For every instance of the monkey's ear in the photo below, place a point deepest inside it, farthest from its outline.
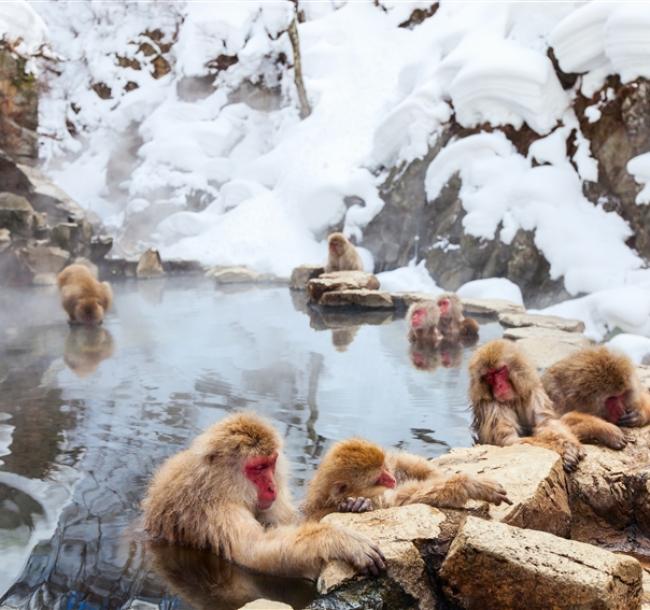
(340, 488)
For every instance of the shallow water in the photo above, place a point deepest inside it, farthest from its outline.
(86, 416)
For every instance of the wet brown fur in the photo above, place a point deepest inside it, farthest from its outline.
(351, 468)
(579, 385)
(428, 333)
(201, 498)
(345, 257)
(529, 413)
(84, 299)
(455, 325)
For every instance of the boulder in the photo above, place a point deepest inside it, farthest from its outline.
(362, 297)
(301, 275)
(72, 236)
(150, 265)
(398, 532)
(490, 307)
(340, 280)
(533, 476)
(496, 566)
(265, 604)
(510, 319)
(547, 350)
(403, 300)
(541, 332)
(241, 275)
(16, 214)
(43, 259)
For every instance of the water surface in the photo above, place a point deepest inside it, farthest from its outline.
(86, 416)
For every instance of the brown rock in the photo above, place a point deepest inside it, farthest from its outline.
(490, 307)
(16, 214)
(403, 300)
(370, 299)
(150, 265)
(340, 280)
(496, 566)
(547, 350)
(43, 259)
(266, 604)
(510, 319)
(395, 530)
(301, 275)
(533, 476)
(5, 239)
(536, 332)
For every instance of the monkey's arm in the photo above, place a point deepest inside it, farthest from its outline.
(591, 429)
(288, 550)
(452, 492)
(408, 466)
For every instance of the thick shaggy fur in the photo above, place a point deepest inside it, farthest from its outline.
(530, 412)
(351, 468)
(84, 299)
(454, 325)
(343, 256)
(201, 498)
(426, 333)
(580, 384)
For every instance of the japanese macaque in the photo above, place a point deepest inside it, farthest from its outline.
(343, 256)
(422, 319)
(509, 403)
(86, 347)
(356, 475)
(84, 299)
(598, 390)
(228, 493)
(453, 325)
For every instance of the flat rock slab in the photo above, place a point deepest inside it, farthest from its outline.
(517, 333)
(531, 319)
(615, 485)
(242, 275)
(265, 604)
(546, 350)
(395, 530)
(496, 566)
(533, 477)
(490, 307)
(362, 298)
(403, 300)
(340, 280)
(301, 275)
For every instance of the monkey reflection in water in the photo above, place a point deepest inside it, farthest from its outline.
(207, 581)
(86, 347)
(447, 354)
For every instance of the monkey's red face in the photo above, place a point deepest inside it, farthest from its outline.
(444, 305)
(615, 408)
(386, 479)
(499, 382)
(336, 247)
(260, 471)
(418, 318)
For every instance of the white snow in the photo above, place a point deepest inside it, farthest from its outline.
(639, 167)
(21, 27)
(637, 348)
(413, 278)
(491, 288)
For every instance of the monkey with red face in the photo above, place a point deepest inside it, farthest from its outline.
(228, 493)
(510, 405)
(422, 320)
(452, 324)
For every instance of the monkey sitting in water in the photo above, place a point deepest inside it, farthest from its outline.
(83, 297)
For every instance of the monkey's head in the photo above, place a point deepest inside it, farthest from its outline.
(246, 449)
(450, 306)
(498, 371)
(337, 244)
(423, 314)
(353, 467)
(89, 311)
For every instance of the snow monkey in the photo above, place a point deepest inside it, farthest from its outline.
(356, 475)
(422, 319)
(453, 325)
(509, 403)
(228, 493)
(343, 256)
(598, 390)
(84, 299)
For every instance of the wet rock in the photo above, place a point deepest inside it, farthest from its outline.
(372, 594)
(44, 279)
(536, 332)
(615, 485)
(301, 275)
(545, 350)
(533, 476)
(242, 275)
(340, 280)
(16, 214)
(265, 604)
(403, 300)
(490, 307)
(44, 259)
(362, 297)
(5, 239)
(150, 265)
(496, 566)
(516, 320)
(72, 236)
(100, 246)
(396, 531)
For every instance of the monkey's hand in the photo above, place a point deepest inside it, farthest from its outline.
(363, 554)
(355, 505)
(490, 491)
(632, 419)
(572, 453)
(613, 437)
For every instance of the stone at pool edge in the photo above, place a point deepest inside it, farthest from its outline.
(362, 298)
(516, 320)
(242, 275)
(490, 307)
(265, 604)
(302, 274)
(493, 566)
(339, 281)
